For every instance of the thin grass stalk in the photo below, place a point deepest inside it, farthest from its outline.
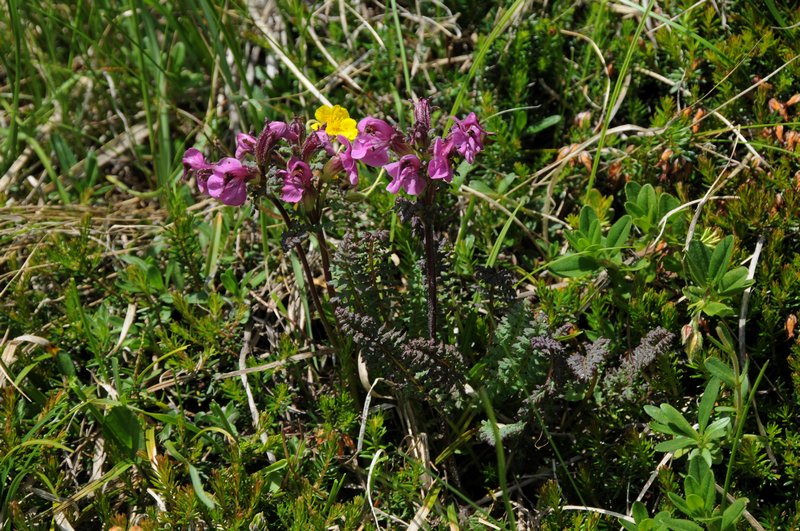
(738, 436)
(501, 457)
(11, 141)
(558, 455)
(401, 45)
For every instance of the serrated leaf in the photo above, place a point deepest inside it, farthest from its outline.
(700, 482)
(718, 428)
(154, 279)
(678, 524)
(544, 123)
(677, 421)
(656, 413)
(482, 187)
(228, 280)
(664, 428)
(666, 204)
(637, 265)
(637, 213)
(595, 233)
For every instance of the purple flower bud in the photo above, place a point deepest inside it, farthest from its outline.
(371, 146)
(439, 165)
(228, 181)
(297, 181)
(467, 135)
(405, 175)
(297, 129)
(272, 133)
(314, 142)
(422, 123)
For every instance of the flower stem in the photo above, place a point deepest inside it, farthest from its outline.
(430, 262)
(326, 264)
(307, 270)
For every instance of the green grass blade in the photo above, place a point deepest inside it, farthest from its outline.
(498, 243)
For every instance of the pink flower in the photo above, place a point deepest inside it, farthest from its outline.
(405, 175)
(348, 162)
(245, 144)
(439, 165)
(297, 181)
(228, 181)
(195, 162)
(467, 135)
(371, 146)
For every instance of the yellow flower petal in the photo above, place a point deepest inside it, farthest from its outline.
(322, 113)
(337, 121)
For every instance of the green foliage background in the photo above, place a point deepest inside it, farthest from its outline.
(131, 306)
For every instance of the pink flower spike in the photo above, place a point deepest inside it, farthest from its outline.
(405, 175)
(245, 144)
(467, 135)
(227, 181)
(348, 162)
(371, 146)
(439, 165)
(297, 181)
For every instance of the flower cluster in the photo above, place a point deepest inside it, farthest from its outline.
(285, 152)
(416, 156)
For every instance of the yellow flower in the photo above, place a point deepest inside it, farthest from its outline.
(336, 120)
